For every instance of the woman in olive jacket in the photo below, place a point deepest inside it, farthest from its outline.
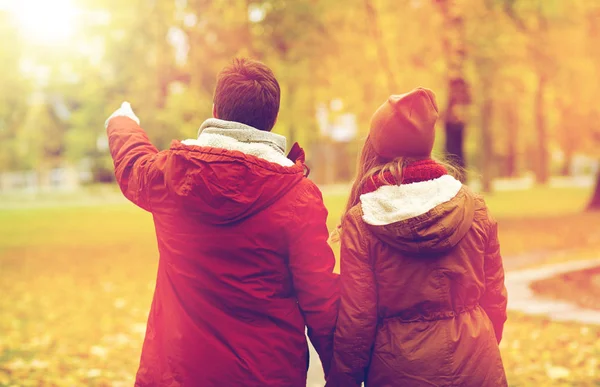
(423, 301)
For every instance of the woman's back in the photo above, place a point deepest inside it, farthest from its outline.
(437, 258)
(431, 291)
(422, 300)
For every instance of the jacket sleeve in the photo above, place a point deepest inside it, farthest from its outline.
(357, 319)
(495, 296)
(133, 156)
(311, 263)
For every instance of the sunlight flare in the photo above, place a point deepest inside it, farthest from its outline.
(43, 21)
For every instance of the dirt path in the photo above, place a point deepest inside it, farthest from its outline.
(521, 297)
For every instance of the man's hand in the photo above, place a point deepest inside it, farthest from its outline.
(124, 111)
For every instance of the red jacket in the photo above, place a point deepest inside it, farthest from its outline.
(244, 263)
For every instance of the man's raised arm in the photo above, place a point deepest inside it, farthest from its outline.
(133, 155)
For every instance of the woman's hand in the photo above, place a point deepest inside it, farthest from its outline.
(334, 236)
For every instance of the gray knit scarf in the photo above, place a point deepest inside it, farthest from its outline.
(243, 133)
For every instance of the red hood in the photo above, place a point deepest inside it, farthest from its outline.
(224, 186)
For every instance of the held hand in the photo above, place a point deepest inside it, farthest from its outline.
(124, 111)
(334, 236)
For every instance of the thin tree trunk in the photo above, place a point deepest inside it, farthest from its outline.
(566, 167)
(512, 140)
(291, 94)
(455, 124)
(455, 134)
(595, 202)
(568, 133)
(542, 170)
(486, 136)
(330, 162)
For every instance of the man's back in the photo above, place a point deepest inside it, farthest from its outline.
(244, 262)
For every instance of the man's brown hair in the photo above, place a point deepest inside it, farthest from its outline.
(247, 92)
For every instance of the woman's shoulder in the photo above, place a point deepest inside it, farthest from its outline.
(353, 219)
(354, 215)
(482, 213)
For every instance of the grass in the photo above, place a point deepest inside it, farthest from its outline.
(539, 352)
(77, 281)
(76, 293)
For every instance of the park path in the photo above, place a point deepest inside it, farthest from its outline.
(520, 298)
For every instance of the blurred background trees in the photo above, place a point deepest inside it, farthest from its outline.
(515, 79)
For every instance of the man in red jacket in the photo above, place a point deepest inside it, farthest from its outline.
(244, 262)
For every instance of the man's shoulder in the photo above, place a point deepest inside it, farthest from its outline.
(303, 198)
(307, 188)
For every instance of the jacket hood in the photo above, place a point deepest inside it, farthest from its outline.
(222, 180)
(425, 217)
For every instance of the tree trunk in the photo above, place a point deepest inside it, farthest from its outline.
(330, 162)
(543, 167)
(455, 132)
(594, 29)
(486, 136)
(512, 140)
(455, 124)
(291, 96)
(568, 116)
(595, 202)
(566, 167)
(454, 42)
